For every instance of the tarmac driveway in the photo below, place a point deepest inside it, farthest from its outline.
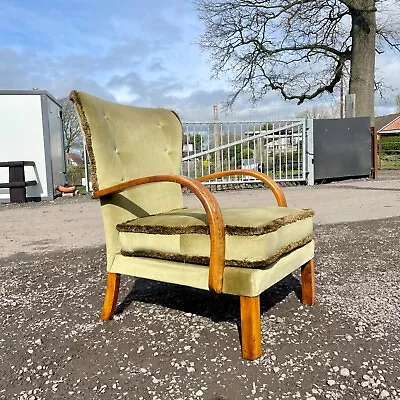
(170, 342)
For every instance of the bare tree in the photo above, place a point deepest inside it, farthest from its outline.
(398, 103)
(321, 112)
(297, 47)
(71, 129)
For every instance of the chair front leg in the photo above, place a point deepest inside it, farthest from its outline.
(251, 327)
(111, 297)
(308, 283)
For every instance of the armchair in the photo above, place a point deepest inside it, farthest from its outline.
(135, 158)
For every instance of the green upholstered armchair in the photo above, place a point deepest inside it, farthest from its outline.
(135, 160)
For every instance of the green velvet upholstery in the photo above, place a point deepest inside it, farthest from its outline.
(124, 143)
(238, 281)
(255, 237)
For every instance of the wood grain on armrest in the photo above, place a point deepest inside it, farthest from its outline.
(214, 217)
(267, 180)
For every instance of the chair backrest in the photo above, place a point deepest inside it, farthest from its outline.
(125, 143)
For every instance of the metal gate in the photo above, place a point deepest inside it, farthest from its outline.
(299, 150)
(342, 148)
(277, 148)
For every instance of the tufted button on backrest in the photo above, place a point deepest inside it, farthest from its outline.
(126, 142)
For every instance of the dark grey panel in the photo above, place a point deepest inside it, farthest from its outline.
(57, 144)
(342, 148)
(47, 147)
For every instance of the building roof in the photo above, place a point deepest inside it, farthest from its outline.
(27, 92)
(387, 122)
(74, 157)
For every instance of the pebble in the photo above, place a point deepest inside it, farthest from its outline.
(344, 372)
(140, 349)
(330, 382)
(384, 394)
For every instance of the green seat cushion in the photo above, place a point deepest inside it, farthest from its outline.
(255, 237)
(238, 281)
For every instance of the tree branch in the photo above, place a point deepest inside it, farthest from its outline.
(296, 47)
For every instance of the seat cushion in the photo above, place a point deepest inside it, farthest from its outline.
(238, 281)
(255, 237)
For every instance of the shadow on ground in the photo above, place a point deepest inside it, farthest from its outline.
(216, 307)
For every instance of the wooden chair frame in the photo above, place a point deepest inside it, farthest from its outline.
(249, 306)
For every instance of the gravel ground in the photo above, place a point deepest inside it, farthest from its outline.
(171, 342)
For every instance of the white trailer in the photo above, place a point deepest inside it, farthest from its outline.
(31, 130)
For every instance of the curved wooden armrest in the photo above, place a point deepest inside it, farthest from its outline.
(276, 190)
(214, 217)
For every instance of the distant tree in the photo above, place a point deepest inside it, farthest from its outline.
(398, 103)
(198, 143)
(267, 126)
(298, 48)
(71, 129)
(320, 112)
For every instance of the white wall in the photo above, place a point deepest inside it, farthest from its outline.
(21, 138)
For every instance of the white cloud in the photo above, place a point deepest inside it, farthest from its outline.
(123, 94)
(141, 53)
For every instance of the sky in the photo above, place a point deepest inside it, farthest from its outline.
(135, 52)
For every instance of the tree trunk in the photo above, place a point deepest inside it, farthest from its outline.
(362, 74)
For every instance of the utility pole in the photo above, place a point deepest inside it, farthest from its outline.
(341, 97)
(217, 140)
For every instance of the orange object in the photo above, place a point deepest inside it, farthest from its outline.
(66, 189)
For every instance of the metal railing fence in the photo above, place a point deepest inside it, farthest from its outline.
(276, 148)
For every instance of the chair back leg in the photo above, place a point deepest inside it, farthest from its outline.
(111, 297)
(308, 283)
(250, 327)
